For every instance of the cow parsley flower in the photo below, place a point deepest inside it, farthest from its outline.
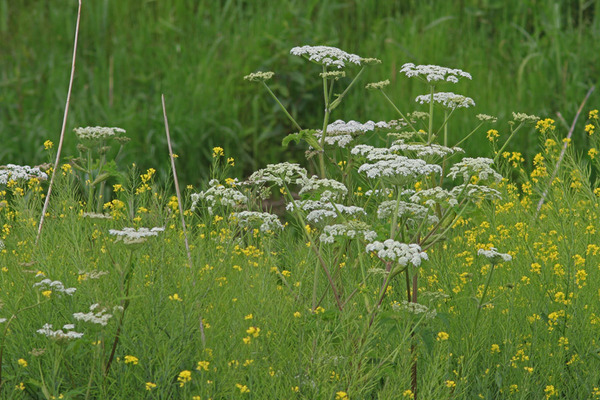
(259, 76)
(20, 172)
(477, 192)
(399, 167)
(479, 167)
(325, 55)
(54, 286)
(97, 133)
(278, 174)
(402, 253)
(60, 334)
(434, 73)
(521, 117)
(408, 210)
(414, 308)
(341, 133)
(350, 229)
(435, 195)
(219, 195)
(133, 236)
(447, 99)
(425, 150)
(494, 256)
(327, 189)
(485, 117)
(2, 320)
(265, 221)
(319, 210)
(377, 85)
(100, 317)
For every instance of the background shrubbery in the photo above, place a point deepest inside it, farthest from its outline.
(529, 56)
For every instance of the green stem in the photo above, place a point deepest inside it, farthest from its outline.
(282, 107)
(485, 289)
(398, 111)
(430, 130)
(506, 143)
(469, 135)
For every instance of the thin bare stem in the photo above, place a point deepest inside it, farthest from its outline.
(64, 125)
(177, 191)
(562, 153)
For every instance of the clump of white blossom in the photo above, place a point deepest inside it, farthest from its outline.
(435, 195)
(414, 308)
(408, 210)
(326, 55)
(100, 316)
(320, 210)
(350, 229)
(265, 221)
(399, 166)
(93, 215)
(447, 99)
(135, 236)
(479, 167)
(341, 133)
(434, 73)
(328, 189)
(97, 133)
(259, 76)
(494, 256)
(521, 117)
(425, 150)
(54, 286)
(477, 192)
(12, 172)
(279, 174)
(60, 334)
(402, 253)
(219, 195)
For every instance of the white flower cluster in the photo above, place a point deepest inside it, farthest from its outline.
(2, 320)
(325, 55)
(92, 274)
(95, 317)
(372, 153)
(430, 197)
(2, 245)
(218, 194)
(328, 189)
(350, 229)
(353, 127)
(447, 99)
(60, 334)
(403, 253)
(485, 117)
(97, 132)
(434, 72)
(266, 221)
(477, 192)
(414, 308)
(259, 76)
(480, 167)
(399, 166)
(319, 210)
(278, 174)
(424, 150)
(16, 172)
(521, 117)
(385, 192)
(493, 256)
(135, 236)
(405, 209)
(377, 85)
(93, 215)
(54, 286)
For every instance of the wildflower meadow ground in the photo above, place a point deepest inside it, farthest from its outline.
(391, 264)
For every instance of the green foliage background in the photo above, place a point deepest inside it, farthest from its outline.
(537, 57)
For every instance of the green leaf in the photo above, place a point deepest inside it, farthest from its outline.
(307, 135)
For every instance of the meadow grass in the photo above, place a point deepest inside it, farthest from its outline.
(530, 56)
(314, 302)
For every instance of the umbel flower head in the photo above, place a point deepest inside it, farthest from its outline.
(265, 221)
(17, 172)
(402, 253)
(259, 76)
(131, 236)
(434, 73)
(325, 55)
(494, 256)
(97, 133)
(447, 99)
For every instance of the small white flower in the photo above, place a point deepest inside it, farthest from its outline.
(411, 211)
(479, 167)
(2, 320)
(278, 174)
(133, 236)
(494, 256)
(485, 117)
(328, 188)
(521, 117)
(100, 317)
(320, 210)
(434, 73)
(402, 253)
(97, 132)
(20, 172)
(414, 308)
(259, 76)
(55, 286)
(59, 334)
(267, 222)
(325, 55)
(447, 99)
(425, 150)
(217, 195)
(435, 195)
(399, 167)
(350, 229)
(477, 192)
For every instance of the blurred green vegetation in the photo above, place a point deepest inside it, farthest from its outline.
(537, 57)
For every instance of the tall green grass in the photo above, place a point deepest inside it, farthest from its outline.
(525, 55)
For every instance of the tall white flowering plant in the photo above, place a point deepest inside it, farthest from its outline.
(378, 208)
